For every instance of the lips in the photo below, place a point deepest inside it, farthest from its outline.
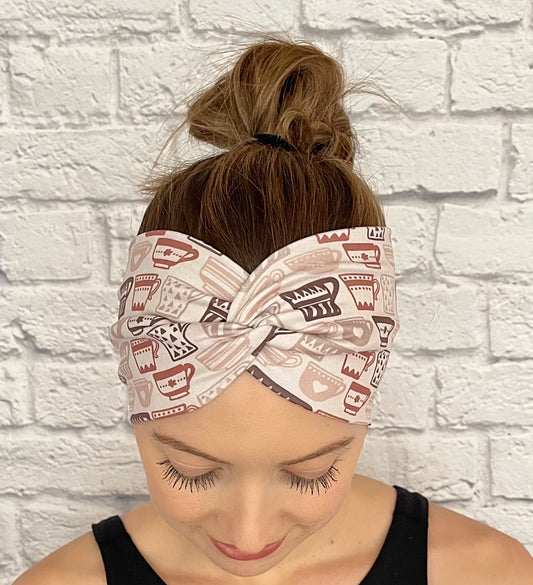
(238, 555)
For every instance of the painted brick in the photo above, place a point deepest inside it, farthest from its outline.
(511, 320)
(432, 158)
(339, 14)
(75, 19)
(491, 72)
(242, 15)
(405, 393)
(440, 318)
(411, 72)
(16, 395)
(80, 395)
(472, 393)
(60, 85)
(95, 165)
(52, 245)
(66, 321)
(428, 464)
(59, 463)
(478, 241)
(412, 230)
(512, 462)
(521, 179)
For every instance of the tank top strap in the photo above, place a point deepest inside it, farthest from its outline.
(124, 564)
(402, 559)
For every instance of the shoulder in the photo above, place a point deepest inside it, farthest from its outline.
(79, 561)
(463, 550)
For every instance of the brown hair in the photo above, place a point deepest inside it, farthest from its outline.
(253, 199)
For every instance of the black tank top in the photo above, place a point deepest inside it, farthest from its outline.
(402, 559)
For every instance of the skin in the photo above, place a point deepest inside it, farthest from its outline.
(251, 503)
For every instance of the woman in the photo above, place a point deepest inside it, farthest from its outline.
(246, 486)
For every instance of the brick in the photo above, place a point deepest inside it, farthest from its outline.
(514, 519)
(339, 14)
(51, 245)
(220, 15)
(72, 19)
(47, 526)
(412, 72)
(428, 464)
(96, 165)
(4, 84)
(15, 396)
(10, 562)
(472, 393)
(60, 84)
(62, 464)
(412, 236)
(521, 179)
(66, 321)
(118, 260)
(434, 157)
(485, 241)
(490, 72)
(9, 332)
(155, 78)
(124, 222)
(405, 393)
(511, 321)
(440, 318)
(512, 462)
(78, 395)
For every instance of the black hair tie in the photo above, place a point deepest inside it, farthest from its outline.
(274, 140)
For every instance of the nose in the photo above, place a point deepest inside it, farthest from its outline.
(250, 521)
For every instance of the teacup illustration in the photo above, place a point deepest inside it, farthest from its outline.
(168, 252)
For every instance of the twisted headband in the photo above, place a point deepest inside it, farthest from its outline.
(313, 322)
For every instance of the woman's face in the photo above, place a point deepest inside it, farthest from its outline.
(254, 497)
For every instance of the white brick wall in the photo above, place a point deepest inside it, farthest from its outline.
(87, 91)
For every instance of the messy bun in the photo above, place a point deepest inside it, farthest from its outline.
(253, 199)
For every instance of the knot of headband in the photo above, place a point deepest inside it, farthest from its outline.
(313, 322)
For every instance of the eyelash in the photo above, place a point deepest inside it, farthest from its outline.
(208, 479)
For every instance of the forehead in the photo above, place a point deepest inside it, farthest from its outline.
(248, 409)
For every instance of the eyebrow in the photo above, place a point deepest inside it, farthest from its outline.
(181, 446)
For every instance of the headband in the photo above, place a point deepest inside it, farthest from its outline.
(313, 322)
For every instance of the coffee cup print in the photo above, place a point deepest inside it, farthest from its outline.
(219, 279)
(385, 326)
(123, 293)
(379, 370)
(175, 382)
(124, 371)
(315, 299)
(355, 398)
(273, 356)
(138, 253)
(364, 289)
(342, 235)
(144, 352)
(168, 252)
(146, 285)
(356, 330)
(224, 354)
(375, 232)
(143, 390)
(318, 384)
(356, 364)
(176, 296)
(315, 261)
(388, 286)
(364, 253)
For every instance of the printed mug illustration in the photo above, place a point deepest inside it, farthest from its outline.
(191, 320)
